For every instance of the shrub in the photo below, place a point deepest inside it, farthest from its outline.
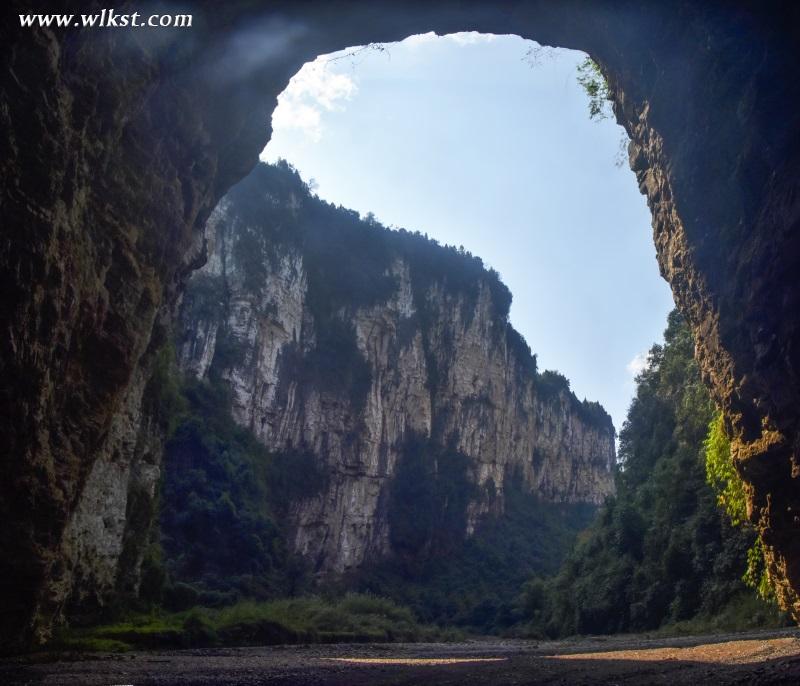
(198, 631)
(723, 478)
(721, 474)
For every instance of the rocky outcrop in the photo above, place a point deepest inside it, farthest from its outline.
(117, 144)
(103, 540)
(93, 253)
(434, 361)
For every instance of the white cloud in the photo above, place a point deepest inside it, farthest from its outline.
(470, 37)
(318, 87)
(461, 38)
(294, 115)
(638, 364)
(314, 90)
(420, 39)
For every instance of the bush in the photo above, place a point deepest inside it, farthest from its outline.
(729, 488)
(198, 631)
(721, 474)
(354, 618)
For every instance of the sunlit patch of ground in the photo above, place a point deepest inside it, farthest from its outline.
(413, 660)
(757, 658)
(731, 652)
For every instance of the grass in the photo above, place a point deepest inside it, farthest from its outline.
(744, 612)
(354, 618)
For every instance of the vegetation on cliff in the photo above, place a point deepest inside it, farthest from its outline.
(661, 552)
(226, 499)
(729, 488)
(473, 583)
(666, 550)
(224, 537)
(593, 81)
(348, 261)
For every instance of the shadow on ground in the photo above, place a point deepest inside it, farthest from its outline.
(756, 658)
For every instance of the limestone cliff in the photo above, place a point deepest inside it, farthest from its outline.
(351, 370)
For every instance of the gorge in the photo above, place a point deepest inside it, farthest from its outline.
(343, 340)
(114, 159)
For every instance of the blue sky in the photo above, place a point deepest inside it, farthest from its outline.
(486, 142)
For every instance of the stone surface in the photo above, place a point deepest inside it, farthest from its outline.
(116, 145)
(450, 376)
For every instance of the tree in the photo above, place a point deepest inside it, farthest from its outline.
(593, 81)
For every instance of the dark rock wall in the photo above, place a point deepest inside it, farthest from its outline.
(110, 164)
(117, 144)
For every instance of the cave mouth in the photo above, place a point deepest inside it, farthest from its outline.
(488, 142)
(700, 87)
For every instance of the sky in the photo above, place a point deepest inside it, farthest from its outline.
(486, 142)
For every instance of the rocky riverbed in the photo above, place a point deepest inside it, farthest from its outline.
(753, 658)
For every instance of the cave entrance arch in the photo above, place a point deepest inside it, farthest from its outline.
(694, 88)
(701, 89)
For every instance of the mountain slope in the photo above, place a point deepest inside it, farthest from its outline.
(379, 369)
(660, 551)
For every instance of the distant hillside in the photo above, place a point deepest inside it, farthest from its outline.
(355, 396)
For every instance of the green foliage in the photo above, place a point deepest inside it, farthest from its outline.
(474, 583)
(198, 630)
(594, 414)
(153, 576)
(550, 383)
(224, 498)
(346, 260)
(522, 351)
(335, 364)
(163, 393)
(70, 641)
(593, 81)
(428, 501)
(204, 298)
(354, 618)
(721, 474)
(267, 209)
(294, 475)
(250, 254)
(744, 611)
(729, 488)
(660, 553)
(756, 575)
(229, 353)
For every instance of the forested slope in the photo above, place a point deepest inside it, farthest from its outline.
(661, 551)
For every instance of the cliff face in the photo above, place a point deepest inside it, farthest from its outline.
(423, 359)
